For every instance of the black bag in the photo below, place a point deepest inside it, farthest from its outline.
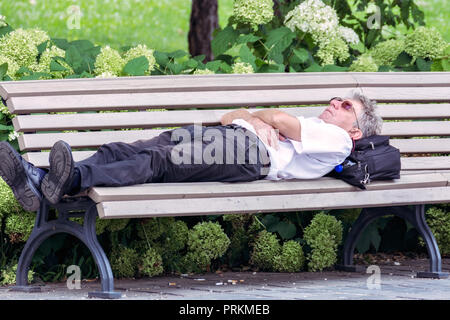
(373, 158)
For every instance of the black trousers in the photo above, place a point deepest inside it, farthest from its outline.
(188, 154)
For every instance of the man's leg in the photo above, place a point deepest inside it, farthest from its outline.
(118, 151)
(229, 148)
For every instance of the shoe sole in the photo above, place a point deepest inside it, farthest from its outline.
(13, 173)
(60, 175)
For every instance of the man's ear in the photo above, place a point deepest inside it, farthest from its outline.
(355, 134)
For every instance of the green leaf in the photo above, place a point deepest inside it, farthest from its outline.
(277, 41)
(82, 45)
(176, 68)
(177, 54)
(286, 230)
(403, 59)
(136, 67)
(191, 63)
(42, 47)
(247, 56)
(74, 59)
(214, 65)
(23, 70)
(370, 236)
(3, 70)
(224, 40)
(246, 38)
(358, 47)
(300, 56)
(199, 58)
(385, 69)
(423, 65)
(55, 66)
(314, 68)
(6, 128)
(270, 221)
(4, 30)
(161, 58)
(35, 76)
(334, 68)
(60, 43)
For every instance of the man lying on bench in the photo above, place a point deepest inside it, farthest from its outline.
(265, 144)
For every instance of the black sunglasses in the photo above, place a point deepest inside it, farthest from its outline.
(347, 105)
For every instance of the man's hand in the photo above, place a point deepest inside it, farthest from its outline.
(268, 134)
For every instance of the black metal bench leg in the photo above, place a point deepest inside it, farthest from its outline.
(44, 229)
(364, 219)
(38, 235)
(100, 258)
(416, 217)
(418, 221)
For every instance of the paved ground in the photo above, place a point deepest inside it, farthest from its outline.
(396, 281)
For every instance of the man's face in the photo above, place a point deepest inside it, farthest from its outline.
(342, 113)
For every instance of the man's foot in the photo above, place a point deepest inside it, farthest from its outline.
(23, 178)
(58, 180)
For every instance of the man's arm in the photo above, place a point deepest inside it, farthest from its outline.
(271, 125)
(228, 118)
(287, 125)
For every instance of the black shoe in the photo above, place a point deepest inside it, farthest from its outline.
(58, 180)
(23, 178)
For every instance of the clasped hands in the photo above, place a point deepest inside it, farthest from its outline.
(268, 134)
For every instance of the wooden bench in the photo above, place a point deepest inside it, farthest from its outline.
(420, 100)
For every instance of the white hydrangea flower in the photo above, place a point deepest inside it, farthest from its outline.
(20, 46)
(109, 60)
(13, 135)
(314, 17)
(106, 74)
(4, 109)
(203, 71)
(242, 67)
(348, 35)
(253, 12)
(142, 50)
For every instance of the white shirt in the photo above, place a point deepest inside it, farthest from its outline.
(323, 147)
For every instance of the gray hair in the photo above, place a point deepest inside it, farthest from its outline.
(369, 120)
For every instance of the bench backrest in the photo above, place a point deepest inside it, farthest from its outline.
(86, 113)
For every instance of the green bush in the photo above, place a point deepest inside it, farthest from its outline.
(8, 275)
(18, 222)
(291, 258)
(124, 261)
(265, 248)
(438, 219)
(152, 264)
(206, 241)
(323, 235)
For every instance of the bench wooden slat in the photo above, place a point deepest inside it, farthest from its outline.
(422, 145)
(154, 191)
(120, 120)
(219, 82)
(215, 99)
(374, 79)
(45, 141)
(179, 83)
(271, 203)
